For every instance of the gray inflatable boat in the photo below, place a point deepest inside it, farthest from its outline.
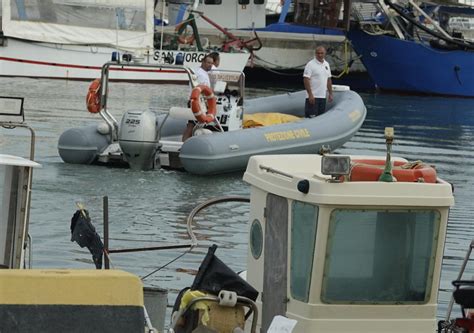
(230, 151)
(144, 140)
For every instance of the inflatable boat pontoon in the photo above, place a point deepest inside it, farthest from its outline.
(146, 140)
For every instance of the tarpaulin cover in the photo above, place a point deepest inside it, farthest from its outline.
(123, 24)
(83, 232)
(266, 119)
(214, 276)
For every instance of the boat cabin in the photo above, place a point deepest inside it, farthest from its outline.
(15, 181)
(52, 299)
(252, 14)
(15, 190)
(345, 255)
(239, 14)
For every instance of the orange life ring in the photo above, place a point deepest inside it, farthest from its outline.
(183, 38)
(93, 97)
(370, 170)
(211, 103)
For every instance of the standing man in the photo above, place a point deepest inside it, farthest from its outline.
(202, 74)
(318, 84)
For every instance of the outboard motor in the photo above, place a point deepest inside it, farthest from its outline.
(138, 138)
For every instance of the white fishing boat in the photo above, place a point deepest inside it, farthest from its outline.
(350, 243)
(72, 40)
(284, 46)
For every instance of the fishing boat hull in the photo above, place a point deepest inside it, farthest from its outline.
(230, 151)
(19, 58)
(407, 66)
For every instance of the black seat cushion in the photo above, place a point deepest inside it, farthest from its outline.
(464, 297)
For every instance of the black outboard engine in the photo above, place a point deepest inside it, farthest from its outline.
(138, 138)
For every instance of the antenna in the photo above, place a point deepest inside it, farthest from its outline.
(387, 175)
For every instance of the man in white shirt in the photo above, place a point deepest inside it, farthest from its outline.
(202, 74)
(318, 84)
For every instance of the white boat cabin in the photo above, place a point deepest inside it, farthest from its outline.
(250, 14)
(240, 14)
(124, 24)
(344, 256)
(15, 190)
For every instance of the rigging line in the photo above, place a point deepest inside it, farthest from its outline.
(280, 73)
(136, 240)
(205, 204)
(169, 262)
(189, 221)
(182, 22)
(279, 67)
(110, 259)
(346, 61)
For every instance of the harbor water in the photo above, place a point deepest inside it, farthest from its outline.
(150, 208)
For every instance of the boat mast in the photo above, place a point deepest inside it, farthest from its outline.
(433, 22)
(391, 18)
(162, 24)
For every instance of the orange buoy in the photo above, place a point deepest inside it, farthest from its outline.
(370, 170)
(183, 38)
(93, 97)
(211, 103)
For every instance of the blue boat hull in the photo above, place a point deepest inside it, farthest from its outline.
(413, 67)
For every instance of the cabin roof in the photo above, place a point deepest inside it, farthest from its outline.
(17, 161)
(280, 175)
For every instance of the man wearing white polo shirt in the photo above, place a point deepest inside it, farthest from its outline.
(318, 84)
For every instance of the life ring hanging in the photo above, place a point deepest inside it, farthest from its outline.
(370, 170)
(211, 103)
(93, 97)
(182, 37)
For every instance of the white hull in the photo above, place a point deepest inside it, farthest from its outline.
(84, 62)
(283, 51)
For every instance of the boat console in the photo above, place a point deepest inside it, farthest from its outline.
(229, 90)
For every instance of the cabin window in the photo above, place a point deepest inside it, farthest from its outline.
(256, 239)
(212, 2)
(259, 2)
(304, 222)
(380, 256)
(90, 14)
(244, 2)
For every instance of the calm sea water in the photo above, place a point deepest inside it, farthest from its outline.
(150, 208)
